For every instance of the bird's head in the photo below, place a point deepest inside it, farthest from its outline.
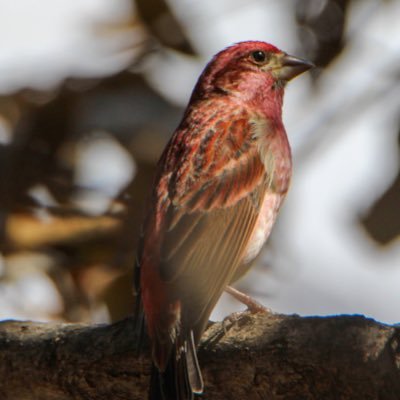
(248, 68)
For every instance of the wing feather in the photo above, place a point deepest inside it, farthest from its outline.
(213, 206)
(201, 254)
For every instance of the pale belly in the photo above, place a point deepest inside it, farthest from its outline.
(263, 226)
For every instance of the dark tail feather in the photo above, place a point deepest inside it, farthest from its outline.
(172, 384)
(181, 378)
(193, 367)
(139, 324)
(138, 316)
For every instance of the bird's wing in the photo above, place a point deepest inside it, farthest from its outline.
(214, 206)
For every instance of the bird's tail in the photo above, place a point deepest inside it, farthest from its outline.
(181, 377)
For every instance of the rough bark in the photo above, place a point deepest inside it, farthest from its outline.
(262, 356)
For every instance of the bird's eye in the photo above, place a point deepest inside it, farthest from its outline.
(259, 56)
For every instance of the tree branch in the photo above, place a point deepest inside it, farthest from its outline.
(262, 356)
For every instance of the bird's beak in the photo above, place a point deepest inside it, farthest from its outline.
(291, 66)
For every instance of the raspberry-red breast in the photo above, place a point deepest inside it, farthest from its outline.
(218, 188)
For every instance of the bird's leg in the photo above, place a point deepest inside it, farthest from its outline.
(228, 322)
(252, 305)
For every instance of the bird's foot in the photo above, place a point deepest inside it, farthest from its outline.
(218, 330)
(252, 305)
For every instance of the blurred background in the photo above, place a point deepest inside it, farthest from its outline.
(90, 92)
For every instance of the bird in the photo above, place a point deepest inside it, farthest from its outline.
(218, 187)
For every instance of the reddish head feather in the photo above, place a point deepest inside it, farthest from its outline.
(227, 60)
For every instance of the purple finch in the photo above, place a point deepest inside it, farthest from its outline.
(218, 188)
